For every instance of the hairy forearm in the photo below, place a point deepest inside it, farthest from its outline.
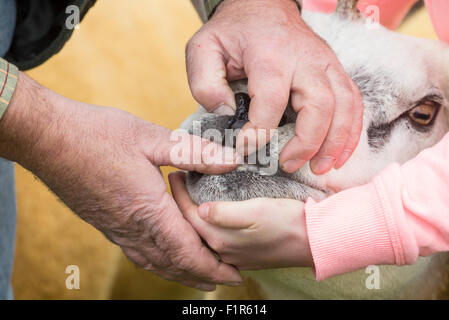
(103, 164)
(29, 128)
(21, 124)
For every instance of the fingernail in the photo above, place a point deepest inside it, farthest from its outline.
(203, 211)
(233, 284)
(343, 158)
(206, 287)
(291, 166)
(323, 165)
(223, 110)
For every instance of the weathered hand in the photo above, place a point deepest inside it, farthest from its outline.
(103, 164)
(253, 234)
(268, 42)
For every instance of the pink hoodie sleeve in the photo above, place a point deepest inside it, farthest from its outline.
(391, 13)
(402, 214)
(438, 11)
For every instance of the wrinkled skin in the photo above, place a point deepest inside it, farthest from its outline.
(268, 42)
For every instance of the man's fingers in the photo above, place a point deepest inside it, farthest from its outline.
(199, 285)
(180, 194)
(206, 72)
(314, 101)
(166, 270)
(173, 274)
(185, 279)
(269, 91)
(184, 151)
(188, 208)
(356, 129)
(340, 128)
(196, 258)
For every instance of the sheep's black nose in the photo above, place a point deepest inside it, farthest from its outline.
(240, 117)
(241, 114)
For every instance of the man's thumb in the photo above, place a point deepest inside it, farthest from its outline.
(184, 151)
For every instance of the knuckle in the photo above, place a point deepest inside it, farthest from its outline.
(193, 284)
(278, 98)
(200, 90)
(310, 141)
(216, 214)
(307, 150)
(196, 40)
(270, 70)
(340, 133)
(184, 261)
(217, 245)
(323, 101)
(338, 138)
(267, 63)
(150, 267)
(171, 275)
(333, 145)
(228, 259)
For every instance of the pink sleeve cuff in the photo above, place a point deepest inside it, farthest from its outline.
(357, 228)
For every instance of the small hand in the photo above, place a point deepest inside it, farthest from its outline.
(253, 234)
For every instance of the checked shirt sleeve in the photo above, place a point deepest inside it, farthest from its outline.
(210, 6)
(206, 8)
(8, 81)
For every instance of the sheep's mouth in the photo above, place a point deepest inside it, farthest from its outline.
(259, 176)
(241, 185)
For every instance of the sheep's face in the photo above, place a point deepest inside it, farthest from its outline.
(405, 87)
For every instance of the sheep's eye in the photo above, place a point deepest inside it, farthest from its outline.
(424, 113)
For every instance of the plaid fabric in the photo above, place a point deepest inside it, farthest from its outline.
(211, 5)
(8, 81)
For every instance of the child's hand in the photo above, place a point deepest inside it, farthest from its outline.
(253, 234)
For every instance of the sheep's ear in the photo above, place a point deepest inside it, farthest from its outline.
(347, 9)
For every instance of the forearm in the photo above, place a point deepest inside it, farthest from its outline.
(205, 8)
(29, 128)
(402, 214)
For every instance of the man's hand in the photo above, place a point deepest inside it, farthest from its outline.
(268, 42)
(253, 234)
(103, 164)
